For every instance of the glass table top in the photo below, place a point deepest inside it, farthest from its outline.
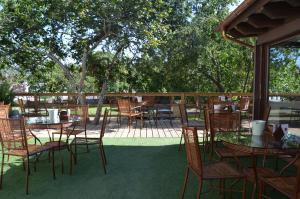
(289, 141)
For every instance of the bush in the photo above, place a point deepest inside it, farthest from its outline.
(6, 94)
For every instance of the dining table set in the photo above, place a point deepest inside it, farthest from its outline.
(237, 146)
(66, 128)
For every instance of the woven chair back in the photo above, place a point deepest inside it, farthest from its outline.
(193, 153)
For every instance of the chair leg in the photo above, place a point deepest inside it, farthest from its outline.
(2, 168)
(53, 164)
(102, 157)
(244, 188)
(185, 182)
(87, 146)
(179, 148)
(104, 153)
(71, 160)
(75, 155)
(27, 174)
(199, 188)
(253, 190)
(261, 189)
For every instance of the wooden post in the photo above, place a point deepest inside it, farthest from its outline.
(261, 80)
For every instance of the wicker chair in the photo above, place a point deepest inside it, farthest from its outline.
(212, 171)
(288, 186)
(14, 146)
(126, 109)
(34, 109)
(80, 112)
(4, 111)
(91, 141)
(185, 122)
(222, 123)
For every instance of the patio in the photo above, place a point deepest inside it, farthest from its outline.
(137, 168)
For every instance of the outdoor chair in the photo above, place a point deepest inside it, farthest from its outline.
(92, 141)
(32, 108)
(18, 146)
(222, 123)
(127, 109)
(185, 122)
(148, 107)
(212, 171)
(288, 186)
(80, 113)
(163, 109)
(4, 111)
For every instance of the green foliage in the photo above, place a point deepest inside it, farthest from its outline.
(6, 94)
(284, 71)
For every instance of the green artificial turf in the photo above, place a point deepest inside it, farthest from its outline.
(147, 168)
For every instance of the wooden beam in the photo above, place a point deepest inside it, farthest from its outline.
(261, 80)
(280, 33)
(279, 10)
(242, 17)
(262, 21)
(247, 29)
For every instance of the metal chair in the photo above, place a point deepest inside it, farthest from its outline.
(212, 171)
(92, 141)
(185, 122)
(17, 145)
(126, 109)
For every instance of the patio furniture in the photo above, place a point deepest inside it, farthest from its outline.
(185, 122)
(127, 109)
(4, 111)
(148, 107)
(221, 123)
(32, 108)
(80, 114)
(55, 143)
(91, 141)
(212, 171)
(14, 146)
(258, 146)
(288, 186)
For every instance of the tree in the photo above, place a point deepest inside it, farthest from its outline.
(63, 31)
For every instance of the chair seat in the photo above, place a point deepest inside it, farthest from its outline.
(70, 132)
(195, 123)
(261, 173)
(32, 149)
(285, 185)
(83, 141)
(229, 153)
(130, 114)
(220, 170)
(56, 144)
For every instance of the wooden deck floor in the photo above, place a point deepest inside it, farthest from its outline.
(163, 129)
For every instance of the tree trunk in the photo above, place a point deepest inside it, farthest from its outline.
(101, 97)
(81, 97)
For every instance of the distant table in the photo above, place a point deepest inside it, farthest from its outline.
(47, 122)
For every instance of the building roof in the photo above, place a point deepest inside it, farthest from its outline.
(253, 18)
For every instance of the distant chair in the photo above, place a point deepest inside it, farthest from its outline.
(185, 122)
(32, 108)
(213, 171)
(222, 123)
(127, 109)
(4, 111)
(79, 127)
(92, 141)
